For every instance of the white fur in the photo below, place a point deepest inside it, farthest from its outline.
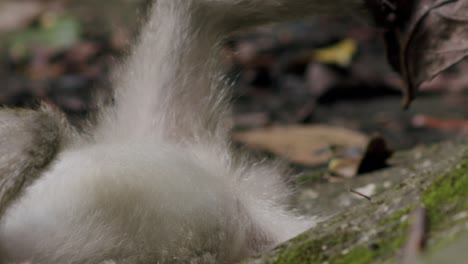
(157, 181)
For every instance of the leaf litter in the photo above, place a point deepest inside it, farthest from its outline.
(423, 37)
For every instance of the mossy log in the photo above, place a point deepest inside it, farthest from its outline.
(376, 230)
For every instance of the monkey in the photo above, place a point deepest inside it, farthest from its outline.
(29, 140)
(155, 178)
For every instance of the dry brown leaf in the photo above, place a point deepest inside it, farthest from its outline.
(375, 157)
(309, 145)
(436, 40)
(424, 37)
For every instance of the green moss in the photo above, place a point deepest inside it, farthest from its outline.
(315, 251)
(358, 255)
(310, 178)
(447, 195)
(396, 216)
(444, 195)
(330, 248)
(390, 239)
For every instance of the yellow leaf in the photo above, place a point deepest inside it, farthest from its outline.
(343, 167)
(340, 53)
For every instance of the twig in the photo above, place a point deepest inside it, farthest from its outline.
(361, 194)
(416, 241)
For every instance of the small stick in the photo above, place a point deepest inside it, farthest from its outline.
(417, 237)
(360, 194)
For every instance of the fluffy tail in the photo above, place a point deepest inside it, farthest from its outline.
(172, 84)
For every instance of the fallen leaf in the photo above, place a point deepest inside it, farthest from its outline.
(309, 145)
(423, 37)
(440, 123)
(344, 167)
(436, 41)
(375, 157)
(340, 53)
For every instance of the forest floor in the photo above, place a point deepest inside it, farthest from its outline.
(315, 92)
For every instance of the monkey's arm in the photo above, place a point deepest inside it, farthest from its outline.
(29, 141)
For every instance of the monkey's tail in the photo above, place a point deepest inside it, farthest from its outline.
(172, 84)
